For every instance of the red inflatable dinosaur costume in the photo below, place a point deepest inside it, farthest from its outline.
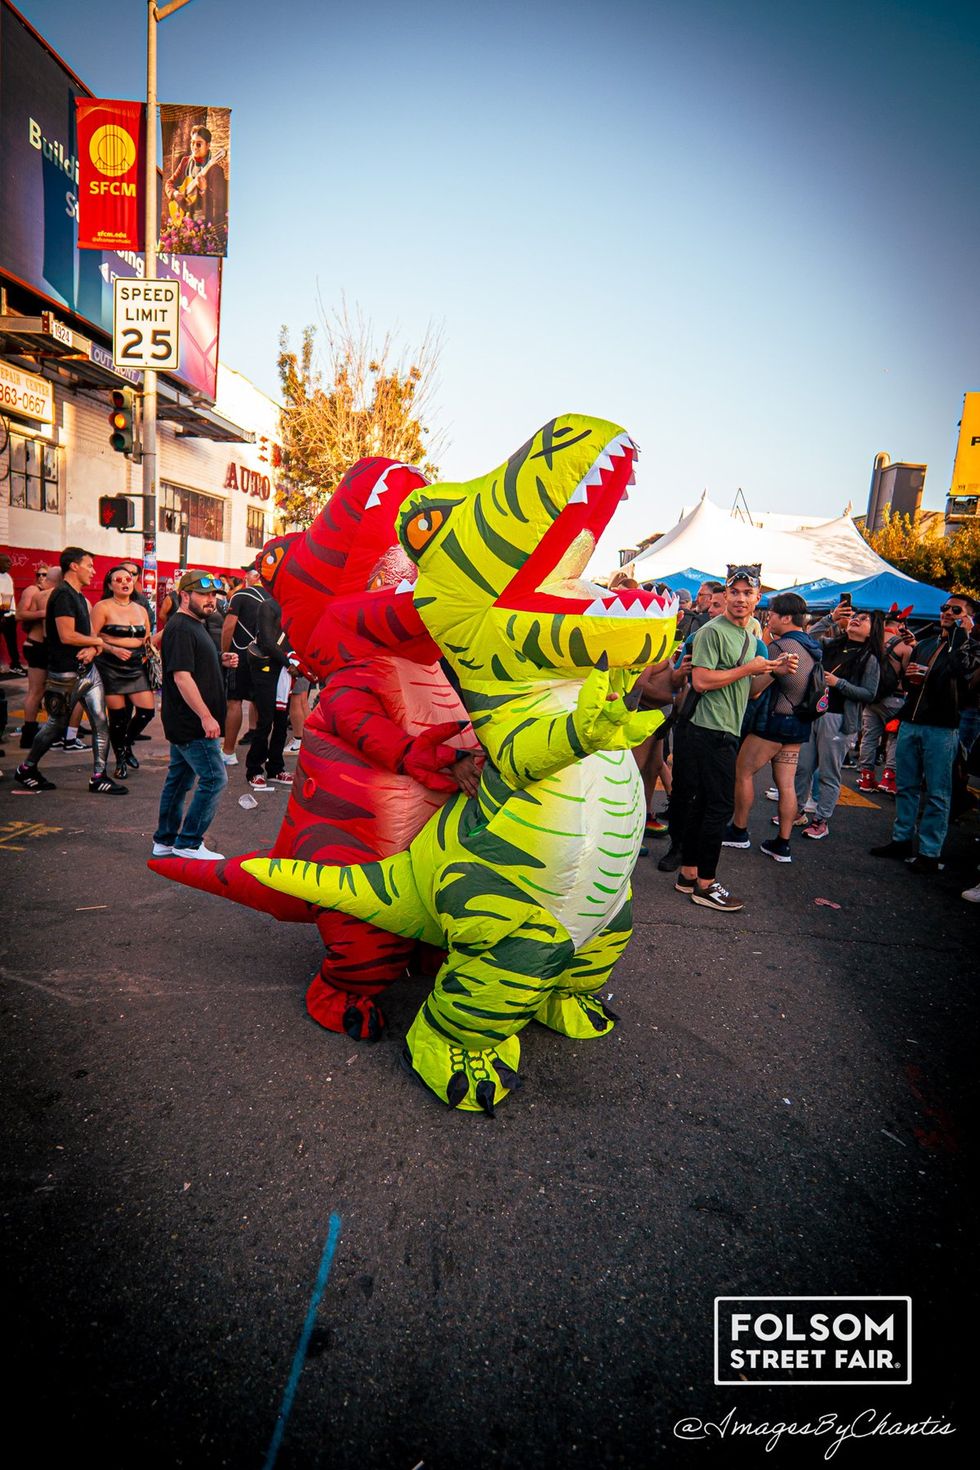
(380, 746)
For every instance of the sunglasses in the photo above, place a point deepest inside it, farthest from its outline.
(39, 575)
(206, 584)
(743, 576)
(951, 607)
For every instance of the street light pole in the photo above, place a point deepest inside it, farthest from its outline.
(154, 15)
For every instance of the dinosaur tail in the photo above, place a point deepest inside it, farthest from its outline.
(383, 893)
(228, 879)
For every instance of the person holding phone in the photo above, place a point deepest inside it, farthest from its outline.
(852, 668)
(937, 682)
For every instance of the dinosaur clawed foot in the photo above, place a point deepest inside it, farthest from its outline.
(356, 1016)
(583, 1017)
(473, 1081)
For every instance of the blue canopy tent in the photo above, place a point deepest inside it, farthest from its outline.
(878, 591)
(690, 579)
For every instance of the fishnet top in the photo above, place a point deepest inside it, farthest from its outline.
(790, 688)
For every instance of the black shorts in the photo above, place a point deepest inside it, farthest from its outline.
(240, 679)
(35, 654)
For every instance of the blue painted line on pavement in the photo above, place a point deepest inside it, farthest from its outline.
(299, 1358)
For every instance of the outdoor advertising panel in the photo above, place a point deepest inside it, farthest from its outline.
(112, 174)
(194, 198)
(39, 203)
(966, 466)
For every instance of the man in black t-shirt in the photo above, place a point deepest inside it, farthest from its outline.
(194, 709)
(238, 633)
(72, 677)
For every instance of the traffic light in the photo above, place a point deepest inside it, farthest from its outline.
(116, 513)
(121, 420)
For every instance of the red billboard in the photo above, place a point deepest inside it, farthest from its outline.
(111, 141)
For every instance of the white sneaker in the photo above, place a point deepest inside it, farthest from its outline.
(972, 895)
(161, 849)
(201, 854)
(229, 760)
(294, 747)
(772, 794)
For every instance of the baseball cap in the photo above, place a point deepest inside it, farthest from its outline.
(193, 581)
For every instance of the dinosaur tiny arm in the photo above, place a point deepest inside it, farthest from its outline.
(528, 748)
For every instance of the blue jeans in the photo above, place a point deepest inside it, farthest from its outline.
(925, 752)
(200, 759)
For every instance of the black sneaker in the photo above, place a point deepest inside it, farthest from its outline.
(74, 747)
(923, 864)
(105, 786)
(684, 885)
(893, 849)
(736, 836)
(670, 861)
(31, 779)
(717, 897)
(778, 848)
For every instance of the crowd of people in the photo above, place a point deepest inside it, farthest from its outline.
(803, 695)
(218, 647)
(800, 695)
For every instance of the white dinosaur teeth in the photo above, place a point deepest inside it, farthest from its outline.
(595, 609)
(381, 485)
(625, 496)
(405, 585)
(632, 478)
(581, 495)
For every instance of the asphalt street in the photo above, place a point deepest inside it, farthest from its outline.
(234, 1239)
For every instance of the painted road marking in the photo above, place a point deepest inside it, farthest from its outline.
(326, 1260)
(12, 832)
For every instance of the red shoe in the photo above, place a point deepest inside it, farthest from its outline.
(866, 780)
(887, 782)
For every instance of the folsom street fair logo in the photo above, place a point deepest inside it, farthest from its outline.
(799, 1340)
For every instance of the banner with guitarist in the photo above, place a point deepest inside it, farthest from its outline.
(194, 199)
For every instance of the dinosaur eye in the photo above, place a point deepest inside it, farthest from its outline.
(422, 527)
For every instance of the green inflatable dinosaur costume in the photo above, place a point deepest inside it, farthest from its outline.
(527, 884)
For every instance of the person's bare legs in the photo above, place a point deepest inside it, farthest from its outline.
(233, 725)
(784, 764)
(754, 754)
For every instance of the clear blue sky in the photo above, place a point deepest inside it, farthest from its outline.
(748, 232)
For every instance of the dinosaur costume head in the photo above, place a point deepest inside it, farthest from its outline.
(501, 559)
(340, 584)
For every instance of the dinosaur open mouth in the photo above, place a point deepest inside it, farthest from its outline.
(551, 580)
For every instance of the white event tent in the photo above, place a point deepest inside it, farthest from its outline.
(710, 537)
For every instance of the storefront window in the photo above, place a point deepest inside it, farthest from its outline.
(203, 514)
(34, 474)
(255, 528)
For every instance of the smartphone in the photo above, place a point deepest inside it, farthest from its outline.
(845, 599)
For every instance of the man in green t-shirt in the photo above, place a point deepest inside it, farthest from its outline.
(726, 673)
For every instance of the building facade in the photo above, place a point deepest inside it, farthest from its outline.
(217, 456)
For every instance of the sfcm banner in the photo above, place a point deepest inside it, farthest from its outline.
(111, 139)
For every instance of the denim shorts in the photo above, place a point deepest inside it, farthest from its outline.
(784, 730)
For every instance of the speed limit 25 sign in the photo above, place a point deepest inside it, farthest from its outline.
(145, 324)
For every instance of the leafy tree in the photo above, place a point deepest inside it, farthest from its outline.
(365, 402)
(929, 555)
